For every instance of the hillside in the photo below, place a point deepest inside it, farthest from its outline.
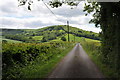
(29, 57)
(46, 34)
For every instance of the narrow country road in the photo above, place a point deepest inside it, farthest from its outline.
(76, 64)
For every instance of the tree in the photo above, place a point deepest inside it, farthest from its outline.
(30, 37)
(44, 39)
(53, 3)
(4, 41)
(63, 38)
(107, 17)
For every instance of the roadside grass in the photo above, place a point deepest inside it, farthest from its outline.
(41, 69)
(93, 49)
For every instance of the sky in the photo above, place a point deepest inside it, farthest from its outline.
(15, 17)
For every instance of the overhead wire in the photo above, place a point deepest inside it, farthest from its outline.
(54, 13)
(49, 9)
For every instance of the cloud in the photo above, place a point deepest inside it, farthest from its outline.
(25, 22)
(66, 11)
(16, 17)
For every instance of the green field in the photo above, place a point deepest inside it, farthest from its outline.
(77, 39)
(37, 37)
(10, 40)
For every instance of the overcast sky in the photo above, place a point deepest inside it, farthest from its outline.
(15, 17)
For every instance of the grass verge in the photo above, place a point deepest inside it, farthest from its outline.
(93, 50)
(42, 70)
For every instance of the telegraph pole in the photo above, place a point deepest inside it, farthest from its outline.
(68, 31)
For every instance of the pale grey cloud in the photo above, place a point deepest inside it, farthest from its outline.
(13, 16)
(68, 12)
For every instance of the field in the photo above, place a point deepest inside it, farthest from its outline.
(10, 40)
(37, 37)
(77, 39)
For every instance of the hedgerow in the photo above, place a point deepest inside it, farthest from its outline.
(16, 56)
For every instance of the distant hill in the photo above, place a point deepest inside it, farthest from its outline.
(46, 34)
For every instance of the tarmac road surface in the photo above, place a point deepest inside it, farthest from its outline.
(76, 64)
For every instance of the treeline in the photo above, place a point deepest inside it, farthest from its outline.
(90, 36)
(82, 33)
(19, 38)
(51, 35)
(12, 31)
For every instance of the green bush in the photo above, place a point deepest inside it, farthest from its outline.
(16, 56)
(63, 38)
(4, 41)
